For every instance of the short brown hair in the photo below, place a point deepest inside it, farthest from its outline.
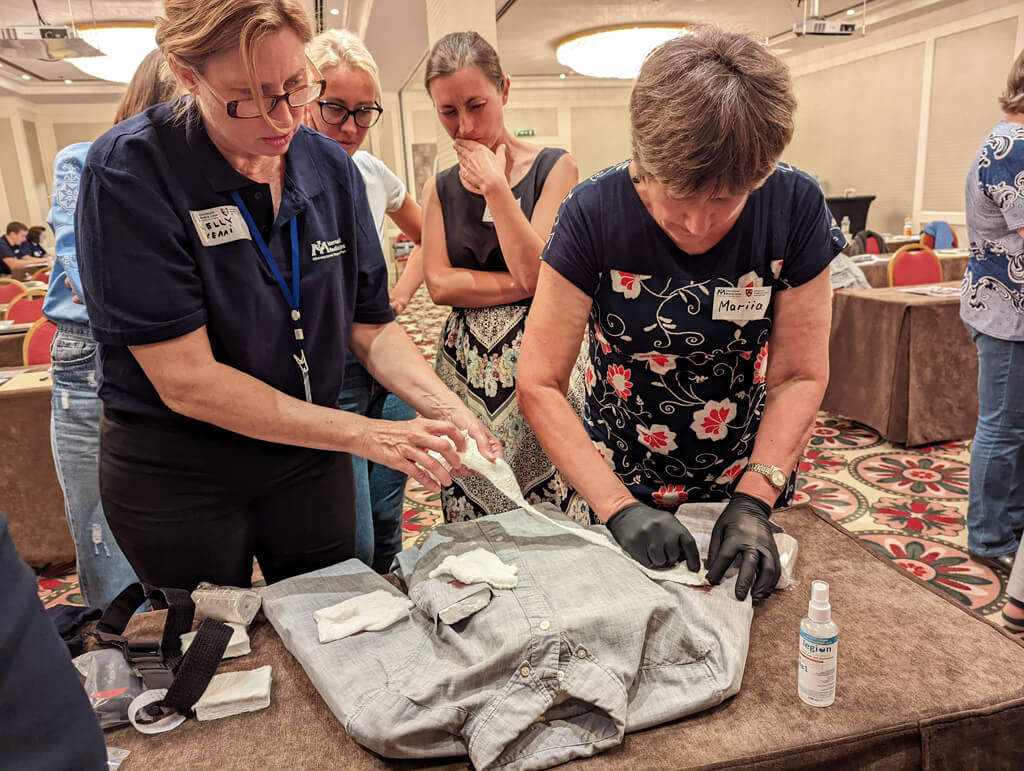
(151, 84)
(34, 233)
(193, 31)
(711, 112)
(457, 51)
(15, 227)
(1012, 99)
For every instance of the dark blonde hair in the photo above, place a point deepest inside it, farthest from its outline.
(711, 112)
(193, 31)
(151, 84)
(459, 50)
(1012, 99)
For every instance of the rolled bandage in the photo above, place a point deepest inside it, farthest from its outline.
(226, 603)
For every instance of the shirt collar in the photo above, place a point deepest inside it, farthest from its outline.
(300, 169)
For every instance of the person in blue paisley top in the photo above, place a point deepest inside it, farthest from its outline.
(992, 307)
(685, 267)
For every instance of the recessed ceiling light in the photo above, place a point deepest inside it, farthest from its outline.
(124, 48)
(561, 75)
(850, 11)
(68, 81)
(335, 12)
(26, 77)
(613, 53)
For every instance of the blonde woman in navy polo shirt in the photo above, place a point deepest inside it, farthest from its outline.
(229, 260)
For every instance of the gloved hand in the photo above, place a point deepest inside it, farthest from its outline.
(653, 538)
(742, 528)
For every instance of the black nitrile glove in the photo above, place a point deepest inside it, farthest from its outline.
(742, 529)
(653, 538)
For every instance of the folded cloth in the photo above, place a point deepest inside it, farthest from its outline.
(233, 693)
(238, 645)
(478, 566)
(68, 620)
(226, 603)
(365, 613)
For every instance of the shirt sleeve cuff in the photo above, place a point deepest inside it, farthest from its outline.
(382, 316)
(153, 333)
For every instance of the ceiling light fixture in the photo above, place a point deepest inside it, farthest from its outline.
(26, 77)
(124, 48)
(850, 11)
(615, 52)
(68, 81)
(335, 12)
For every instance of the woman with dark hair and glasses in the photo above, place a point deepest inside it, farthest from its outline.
(229, 263)
(348, 108)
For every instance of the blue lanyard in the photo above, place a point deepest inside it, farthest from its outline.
(291, 296)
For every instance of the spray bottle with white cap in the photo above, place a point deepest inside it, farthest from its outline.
(819, 644)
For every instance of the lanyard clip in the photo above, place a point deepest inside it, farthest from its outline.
(301, 361)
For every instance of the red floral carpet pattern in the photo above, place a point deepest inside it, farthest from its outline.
(907, 505)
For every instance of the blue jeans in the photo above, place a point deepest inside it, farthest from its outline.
(103, 570)
(995, 508)
(380, 490)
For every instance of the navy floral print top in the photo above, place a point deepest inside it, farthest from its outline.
(678, 343)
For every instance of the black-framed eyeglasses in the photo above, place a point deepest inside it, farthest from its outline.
(299, 96)
(336, 114)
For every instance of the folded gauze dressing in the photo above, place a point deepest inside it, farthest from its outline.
(366, 613)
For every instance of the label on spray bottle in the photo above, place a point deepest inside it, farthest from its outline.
(817, 680)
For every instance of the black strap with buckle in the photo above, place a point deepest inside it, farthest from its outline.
(161, 664)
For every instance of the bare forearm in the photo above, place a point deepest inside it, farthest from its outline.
(567, 444)
(789, 412)
(411, 277)
(464, 288)
(395, 362)
(231, 399)
(521, 246)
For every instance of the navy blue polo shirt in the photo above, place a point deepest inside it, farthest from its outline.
(163, 251)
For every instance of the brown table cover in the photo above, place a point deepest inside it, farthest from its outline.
(29, 492)
(877, 272)
(10, 349)
(922, 683)
(902, 364)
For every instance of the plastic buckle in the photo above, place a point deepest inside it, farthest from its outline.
(147, 661)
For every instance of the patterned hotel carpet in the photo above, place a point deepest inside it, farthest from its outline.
(907, 504)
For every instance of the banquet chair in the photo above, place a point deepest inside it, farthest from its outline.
(937, 234)
(36, 347)
(26, 307)
(914, 264)
(9, 289)
(43, 274)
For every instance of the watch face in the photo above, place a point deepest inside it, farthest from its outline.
(778, 478)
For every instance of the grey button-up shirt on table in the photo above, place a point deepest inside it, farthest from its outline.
(582, 650)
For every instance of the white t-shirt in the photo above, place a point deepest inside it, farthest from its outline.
(385, 193)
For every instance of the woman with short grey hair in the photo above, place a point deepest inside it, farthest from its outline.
(683, 267)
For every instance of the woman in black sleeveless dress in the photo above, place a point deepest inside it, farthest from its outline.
(485, 223)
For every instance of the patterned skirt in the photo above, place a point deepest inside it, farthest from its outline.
(477, 358)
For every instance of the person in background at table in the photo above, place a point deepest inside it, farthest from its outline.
(32, 247)
(103, 570)
(485, 221)
(698, 272)
(229, 262)
(992, 308)
(10, 247)
(348, 108)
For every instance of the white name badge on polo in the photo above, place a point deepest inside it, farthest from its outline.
(488, 217)
(742, 303)
(220, 225)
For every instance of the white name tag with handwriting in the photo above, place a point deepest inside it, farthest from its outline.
(488, 217)
(744, 303)
(220, 225)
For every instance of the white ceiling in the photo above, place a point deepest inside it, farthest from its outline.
(528, 31)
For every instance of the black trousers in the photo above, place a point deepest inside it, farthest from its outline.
(188, 502)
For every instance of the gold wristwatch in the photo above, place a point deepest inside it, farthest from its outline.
(776, 477)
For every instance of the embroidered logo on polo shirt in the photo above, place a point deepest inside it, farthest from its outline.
(220, 225)
(324, 250)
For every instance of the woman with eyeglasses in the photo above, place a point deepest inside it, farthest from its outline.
(348, 108)
(229, 262)
(485, 221)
